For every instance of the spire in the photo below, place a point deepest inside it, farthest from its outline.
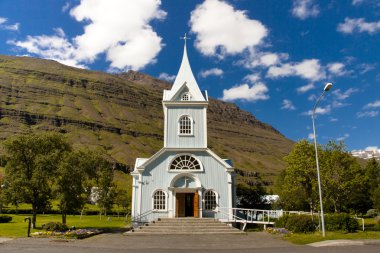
(185, 77)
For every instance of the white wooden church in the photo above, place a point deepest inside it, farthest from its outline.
(185, 178)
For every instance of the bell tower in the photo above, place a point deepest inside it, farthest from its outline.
(185, 110)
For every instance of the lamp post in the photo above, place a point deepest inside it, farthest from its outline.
(327, 88)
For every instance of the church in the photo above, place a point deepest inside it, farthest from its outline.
(185, 178)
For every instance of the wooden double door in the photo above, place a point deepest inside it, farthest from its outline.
(187, 205)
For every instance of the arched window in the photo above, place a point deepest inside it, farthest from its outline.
(159, 200)
(210, 200)
(185, 162)
(185, 97)
(185, 125)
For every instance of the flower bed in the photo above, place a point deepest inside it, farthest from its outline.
(74, 234)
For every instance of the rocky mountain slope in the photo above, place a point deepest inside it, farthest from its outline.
(122, 115)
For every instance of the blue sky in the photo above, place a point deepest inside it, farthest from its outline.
(270, 57)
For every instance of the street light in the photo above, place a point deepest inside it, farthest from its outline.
(327, 88)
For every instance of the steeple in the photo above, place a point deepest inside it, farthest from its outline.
(184, 80)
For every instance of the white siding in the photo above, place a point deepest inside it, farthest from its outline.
(197, 140)
(157, 176)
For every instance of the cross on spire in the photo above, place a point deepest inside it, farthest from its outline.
(184, 38)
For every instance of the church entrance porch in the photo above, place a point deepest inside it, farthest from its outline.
(187, 205)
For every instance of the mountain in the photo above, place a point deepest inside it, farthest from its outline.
(367, 154)
(122, 115)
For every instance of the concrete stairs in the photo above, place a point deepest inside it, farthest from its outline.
(184, 226)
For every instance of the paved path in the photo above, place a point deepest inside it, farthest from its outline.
(116, 243)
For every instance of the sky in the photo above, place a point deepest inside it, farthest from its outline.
(270, 57)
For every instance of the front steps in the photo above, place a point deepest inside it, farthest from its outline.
(184, 226)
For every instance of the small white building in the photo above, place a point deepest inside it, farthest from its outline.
(185, 178)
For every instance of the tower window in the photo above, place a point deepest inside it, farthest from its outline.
(185, 125)
(185, 97)
(210, 200)
(159, 200)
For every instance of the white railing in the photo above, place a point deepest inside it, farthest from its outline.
(144, 218)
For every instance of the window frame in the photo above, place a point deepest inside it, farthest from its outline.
(204, 200)
(187, 94)
(182, 170)
(191, 125)
(165, 199)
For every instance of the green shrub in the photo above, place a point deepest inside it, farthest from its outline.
(377, 225)
(371, 213)
(300, 224)
(5, 218)
(281, 222)
(55, 226)
(341, 222)
(296, 223)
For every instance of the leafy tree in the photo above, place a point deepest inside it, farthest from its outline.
(372, 172)
(250, 196)
(32, 161)
(376, 198)
(70, 182)
(342, 179)
(297, 184)
(105, 185)
(122, 199)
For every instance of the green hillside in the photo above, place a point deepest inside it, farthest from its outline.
(122, 115)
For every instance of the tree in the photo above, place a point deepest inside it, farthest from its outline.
(122, 199)
(376, 198)
(70, 183)
(297, 184)
(251, 196)
(104, 182)
(344, 186)
(372, 172)
(32, 161)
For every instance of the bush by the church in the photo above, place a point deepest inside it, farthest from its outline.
(55, 226)
(5, 218)
(281, 222)
(296, 223)
(341, 222)
(300, 224)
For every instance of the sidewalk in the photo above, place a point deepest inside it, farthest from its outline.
(330, 243)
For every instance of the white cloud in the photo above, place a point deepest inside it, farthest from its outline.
(372, 148)
(309, 69)
(344, 95)
(304, 9)
(333, 119)
(311, 136)
(367, 114)
(255, 58)
(305, 88)
(355, 25)
(365, 67)
(319, 110)
(373, 105)
(4, 25)
(252, 78)
(336, 68)
(124, 36)
(66, 7)
(166, 77)
(342, 138)
(256, 92)
(218, 25)
(55, 47)
(357, 2)
(288, 105)
(211, 72)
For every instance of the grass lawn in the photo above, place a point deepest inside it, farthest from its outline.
(18, 228)
(317, 236)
